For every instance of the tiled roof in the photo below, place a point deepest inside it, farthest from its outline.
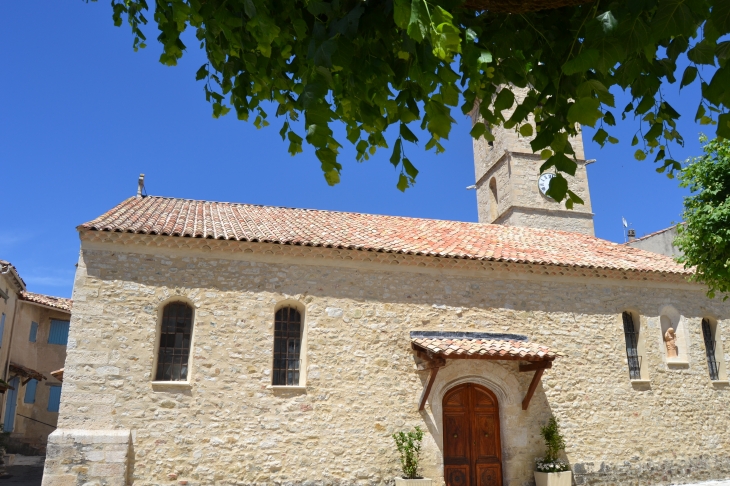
(484, 349)
(245, 222)
(59, 303)
(58, 374)
(8, 268)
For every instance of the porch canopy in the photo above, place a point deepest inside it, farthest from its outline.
(26, 373)
(435, 347)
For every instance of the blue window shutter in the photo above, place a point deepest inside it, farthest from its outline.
(54, 399)
(33, 331)
(11, 401)
(30, 391)
(59, 332)
(2, 328)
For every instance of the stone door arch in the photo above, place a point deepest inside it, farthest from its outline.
(472, 443)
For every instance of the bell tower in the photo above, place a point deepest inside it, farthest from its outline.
(508, 186)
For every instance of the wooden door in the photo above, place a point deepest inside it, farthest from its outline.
(472, 449)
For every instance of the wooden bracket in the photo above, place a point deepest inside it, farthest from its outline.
(533, 385)
(427, 388)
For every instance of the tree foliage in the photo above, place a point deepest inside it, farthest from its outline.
(372, 64)
(705, 237)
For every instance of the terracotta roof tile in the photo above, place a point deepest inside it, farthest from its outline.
(47, 300)
(245, 222)
(484, 349)
(8, 268)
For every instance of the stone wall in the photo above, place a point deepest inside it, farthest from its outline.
(229, 426)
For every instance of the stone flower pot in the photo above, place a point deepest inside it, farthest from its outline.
(553, 478)
(399, 481)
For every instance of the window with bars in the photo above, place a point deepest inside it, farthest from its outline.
(710, 344)
(287, 347)
(175, 334)
(632, 342)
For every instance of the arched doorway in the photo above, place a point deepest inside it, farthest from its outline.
(472, 448)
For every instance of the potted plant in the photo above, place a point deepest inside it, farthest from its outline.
(550, 470)
(409, 447)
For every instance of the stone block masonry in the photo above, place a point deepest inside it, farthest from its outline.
(78, 457)
(228, 426)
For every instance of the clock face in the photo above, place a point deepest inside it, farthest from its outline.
(543, 183)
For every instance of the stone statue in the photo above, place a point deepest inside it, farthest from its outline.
(671, 340)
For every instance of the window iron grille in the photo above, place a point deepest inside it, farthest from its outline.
(632, 339)
(287, 347)
(710, 343)
(174, 350)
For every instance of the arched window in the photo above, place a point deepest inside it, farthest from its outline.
(287, 347)
(493, 200)
(175, 334)
(708, 333)
(631, 333)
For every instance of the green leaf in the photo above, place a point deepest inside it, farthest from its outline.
(202, 72)
(600, 137)
(249, 8)
(402, 183)
(634, 141)
(419, 21)
(526, 130)
(673, 18)
(639, 155)
(283, 130)
(505, 99)
(703, 53)
(402, 13)
(397, 152)
(558, 188)
(560, 162)
(612, 140)
(723, 126)
(723, 50)
(410, 169)
(609, 119)
(720, 15)
(689, 75)
(585, 111)
(407, 134)
(485, 57)
(480, 130)
(717, 91)
(581, 63)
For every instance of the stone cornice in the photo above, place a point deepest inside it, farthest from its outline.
(334, 255)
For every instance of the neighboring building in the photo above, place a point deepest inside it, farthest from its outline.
(33, 335)
(220, 344)
(661, 242)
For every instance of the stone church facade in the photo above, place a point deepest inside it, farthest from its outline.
(231, 344)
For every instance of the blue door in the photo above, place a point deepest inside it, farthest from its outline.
(11, 400)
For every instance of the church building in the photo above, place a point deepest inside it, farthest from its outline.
(233, 344)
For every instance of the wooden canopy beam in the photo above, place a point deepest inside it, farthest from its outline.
(427, 388)
(537, 365)
(533, 385)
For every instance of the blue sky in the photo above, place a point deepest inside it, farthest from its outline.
(81, 115)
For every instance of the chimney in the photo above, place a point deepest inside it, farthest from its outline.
(632, 234)
(140, 185)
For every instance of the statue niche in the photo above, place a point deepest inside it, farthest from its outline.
(670, 339)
